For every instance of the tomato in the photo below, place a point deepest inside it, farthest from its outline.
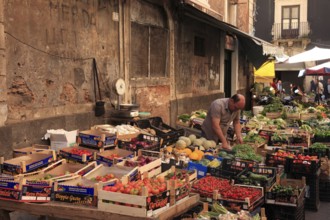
(155, 191)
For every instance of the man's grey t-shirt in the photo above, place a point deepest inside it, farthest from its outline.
(219, 109)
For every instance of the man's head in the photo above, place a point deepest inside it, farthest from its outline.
(236, 103)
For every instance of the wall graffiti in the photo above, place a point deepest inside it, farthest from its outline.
(77, 14)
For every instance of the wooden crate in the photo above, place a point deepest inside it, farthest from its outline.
(298, 198)
(273, 115)
(143, 205)
(192, 176)
(122, 173)
(306, 116)
(133, 205)
(293, 115)
(151, 169)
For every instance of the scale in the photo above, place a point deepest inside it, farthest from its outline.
(123, 110)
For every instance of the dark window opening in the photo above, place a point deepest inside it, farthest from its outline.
(199, 46)
(148, 51)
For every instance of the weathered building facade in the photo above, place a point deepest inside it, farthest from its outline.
(174, 56)
(295, 25)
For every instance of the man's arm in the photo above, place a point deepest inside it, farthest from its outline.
(238, 130)
(217, 129)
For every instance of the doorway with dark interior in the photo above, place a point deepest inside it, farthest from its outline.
(227, 72)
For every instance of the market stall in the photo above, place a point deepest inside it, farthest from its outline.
(151, 170)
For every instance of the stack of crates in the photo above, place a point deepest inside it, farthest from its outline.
(275, 212)
(312, 200)
(325, 189)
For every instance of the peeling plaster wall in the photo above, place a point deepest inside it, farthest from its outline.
(46, 77)
(49, 46)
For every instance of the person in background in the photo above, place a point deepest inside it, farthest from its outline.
(327, 90)
(313, 86)
(279, 87)
(319, 90)
(274, 85)
(221, 113)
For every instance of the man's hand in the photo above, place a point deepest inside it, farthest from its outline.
(239, 140)
(225, 145)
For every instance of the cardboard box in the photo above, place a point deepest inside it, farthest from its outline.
(61, 138)
(76, 190)
(96, 138)
(79, 154)
(107, 158)
(17, 191)
(151, 169)
(59, 170)
(122, 173)
(37, 186)
(30, 150)
(28, 163)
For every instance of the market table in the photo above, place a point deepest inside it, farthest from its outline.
(72, 212)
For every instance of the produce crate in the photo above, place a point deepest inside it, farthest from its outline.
(78, 154)
(282, 212)
(300, 139)
(17, 190)
(172, 162)
(300, 166)
(151, 169)
(132, 205)
(209, 186)
(325, 190)
(266, 134)
(274, 160)
(179, 174)
(75, 190)
(122, 173)
(245, 202)
(200, 168)
(235, 166)
(293, 115)
(58, 170)
(116, 155)
(296, 200)
(318, 138)
(27, 163)
(168, 134)
(307, 116)
(312, 196)
(142, 141)
(97, 139)
(319, 152)
(273, 115)
(35, 148)
(37, 186)
(268, 172)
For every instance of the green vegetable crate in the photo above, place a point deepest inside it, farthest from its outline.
(287, 192)
(257, 176)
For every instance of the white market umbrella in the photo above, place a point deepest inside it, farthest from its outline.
(310, 55)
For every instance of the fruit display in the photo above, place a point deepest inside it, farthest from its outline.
(206, 185)
(80, 152)
(242, 193)
(139, 161)
(108, 156)
(154, 186)
(103, 178)
(140, 142)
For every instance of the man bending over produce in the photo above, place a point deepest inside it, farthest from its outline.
(219, 117)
